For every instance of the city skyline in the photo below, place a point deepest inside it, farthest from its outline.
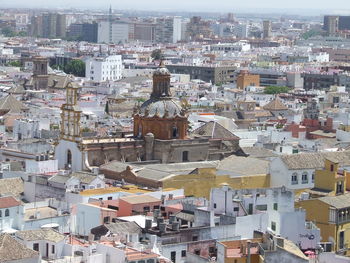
(206, 5)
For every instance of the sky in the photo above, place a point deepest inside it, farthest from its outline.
(334, 6)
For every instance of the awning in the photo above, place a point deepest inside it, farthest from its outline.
(52, 225)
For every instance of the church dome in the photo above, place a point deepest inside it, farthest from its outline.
(161, 71)
(165, 108)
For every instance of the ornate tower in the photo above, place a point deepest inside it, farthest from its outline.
(70, 116)
(161, 115)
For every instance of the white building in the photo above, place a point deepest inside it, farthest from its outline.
(47, 242)
(266, 209)
(101, 69)
(11, 214)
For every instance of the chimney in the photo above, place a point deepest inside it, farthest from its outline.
(156, 213)
(162, 227)
(163, 199)
(159, 221)
(175, 226)
(248, 251)
(172, 219)
(37, 214)
(148, 224)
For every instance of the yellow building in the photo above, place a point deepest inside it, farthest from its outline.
(236, 172)
(331, 180)
(330, 210)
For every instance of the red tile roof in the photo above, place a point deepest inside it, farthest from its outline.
(9, 201)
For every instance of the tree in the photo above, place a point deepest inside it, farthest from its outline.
(276, 90)
(75, 67)
(156, 54)
(8, 32)
(15, 63)
(107, 108)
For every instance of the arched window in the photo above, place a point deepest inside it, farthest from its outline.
(140, 130)
(7, 212)
(69, 157)
(175, 132)
(294, 178)
(304, 178)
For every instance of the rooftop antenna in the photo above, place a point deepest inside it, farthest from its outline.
(110, 20)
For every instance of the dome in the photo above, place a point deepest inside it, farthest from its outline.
(166, 108)
(162, 71)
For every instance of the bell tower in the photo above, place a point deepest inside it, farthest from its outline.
(70, 116)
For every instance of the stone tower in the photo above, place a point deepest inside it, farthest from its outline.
(40, 76)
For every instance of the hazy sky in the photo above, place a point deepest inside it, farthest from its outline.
(340, 6)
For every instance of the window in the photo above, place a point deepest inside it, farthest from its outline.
(197, 252)
(185, 156)
(0, 213)
(109, 198)
(36, 246)
(313, 177)
(195, 238)
(341, 240)
(106, 219)
(304, 178)
(175, 132)
(151, 260)
(273, 226)
(294, 178)
(98, 185)
(173, 256)
(211, 250)
(146, 208)
(332, 167)
(53, 249)
(183, 253)
(7, 212)
(275, 206)
(236, 209)
(214, 205)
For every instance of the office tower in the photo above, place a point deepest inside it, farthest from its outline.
(113, 32)
(344, 23)
(230, 17)
(61, 27)
(168, 29)
(331, 24)
(267, 27)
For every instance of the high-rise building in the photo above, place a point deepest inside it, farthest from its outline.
(113, 32)
(344, 23)
(83, 32)
(49, 25)
(169, 30)
(267, 28)
(331, 24)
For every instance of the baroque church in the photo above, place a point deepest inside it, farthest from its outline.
(160, 134)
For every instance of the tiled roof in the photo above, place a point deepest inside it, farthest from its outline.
(11, 250)
(214, 130)
(8, 201)
(9, 103)
(40, 234)
(315, 160)
(139, 199)
(275, 104)
(339, 201)
(11, 186)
